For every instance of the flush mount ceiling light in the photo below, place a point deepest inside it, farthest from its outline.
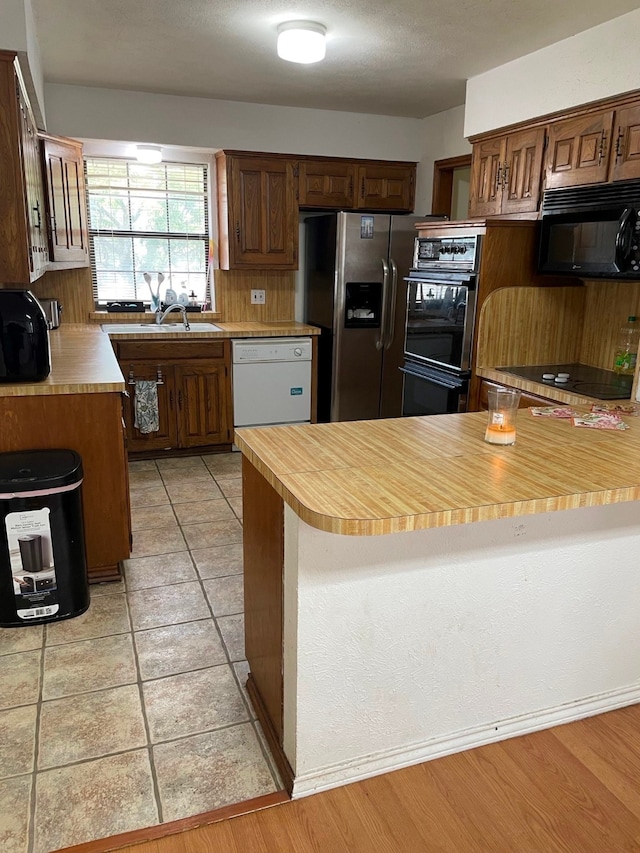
(148, 154)
(301, 41)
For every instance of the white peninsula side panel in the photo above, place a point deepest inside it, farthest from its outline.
(405, 647)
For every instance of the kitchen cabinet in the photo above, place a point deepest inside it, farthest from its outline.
(257, 211)
(578, 151)
(326, 183)
(23, 241)
(66, 202)
(506, 173)
(625, 150)
(595, 148)
(194, 392)
(385, 186)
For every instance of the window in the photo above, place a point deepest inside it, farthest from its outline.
(147, 219)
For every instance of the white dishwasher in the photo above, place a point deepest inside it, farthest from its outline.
(271, 381)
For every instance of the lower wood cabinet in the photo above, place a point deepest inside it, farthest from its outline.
(90, 424)
(194, 392)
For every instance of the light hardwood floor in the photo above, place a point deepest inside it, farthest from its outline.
(573, 788)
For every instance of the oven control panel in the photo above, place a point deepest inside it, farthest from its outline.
(431, 253)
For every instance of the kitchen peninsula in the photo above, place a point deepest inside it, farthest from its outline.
(412, 591)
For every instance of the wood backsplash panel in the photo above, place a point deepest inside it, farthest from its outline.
(531, 325)
(607, 306)
(73, 289)
(233, 295)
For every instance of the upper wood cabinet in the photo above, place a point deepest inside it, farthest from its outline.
(506, 173)
(257, 211)
(23, 240)
(595, 148)
(385, 186)
(625, 147)
(66, 201)
(578, 151)
(326, 183)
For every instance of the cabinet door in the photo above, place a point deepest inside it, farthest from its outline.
(485, 195)
(625, 154)
(166, 436)
(34, 191)
(67, 207)
(522, 171)
(578, 151)
(203, 402)
(325, 183)
(386, 186)
(263, 224)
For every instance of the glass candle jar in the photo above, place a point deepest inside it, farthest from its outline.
(501, 424)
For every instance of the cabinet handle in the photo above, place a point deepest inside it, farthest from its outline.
(38, 224)
(180, 400)
(602, 148)
(362, 189)
(237, 232)
(351, 186)
(505, 176)
(620, 144)
(498, 178)
(171, 399)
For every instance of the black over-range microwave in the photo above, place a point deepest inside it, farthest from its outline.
(592, 231)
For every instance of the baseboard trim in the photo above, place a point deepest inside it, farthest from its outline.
(385, 762)
(161, 830)
(281, 760)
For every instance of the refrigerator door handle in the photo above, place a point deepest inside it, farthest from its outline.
(391, 318)
(380, 343)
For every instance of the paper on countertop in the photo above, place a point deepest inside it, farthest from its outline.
(600, 421)
(553, 412)
(617, 408)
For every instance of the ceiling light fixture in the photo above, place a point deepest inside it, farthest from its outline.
(301, 41)
(148, 154)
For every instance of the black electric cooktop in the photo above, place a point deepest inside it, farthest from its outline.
(585, 380)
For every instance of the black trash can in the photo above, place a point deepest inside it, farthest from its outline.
(43, 564)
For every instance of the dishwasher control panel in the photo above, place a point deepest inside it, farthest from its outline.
(270, 349)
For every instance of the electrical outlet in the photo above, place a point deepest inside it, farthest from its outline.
(258, 297)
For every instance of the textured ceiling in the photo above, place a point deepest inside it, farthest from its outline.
(389, 57)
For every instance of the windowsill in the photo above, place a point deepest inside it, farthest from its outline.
(137, 316)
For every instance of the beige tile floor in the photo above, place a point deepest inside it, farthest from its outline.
(135, 713)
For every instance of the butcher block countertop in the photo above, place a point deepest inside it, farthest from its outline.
(387, 476)
(239, 329)
(82, 362)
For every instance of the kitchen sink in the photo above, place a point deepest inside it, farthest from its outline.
(154, 329)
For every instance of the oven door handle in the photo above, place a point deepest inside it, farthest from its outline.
(445, 380)
(380, 343)
(624, 238)
(391, 316)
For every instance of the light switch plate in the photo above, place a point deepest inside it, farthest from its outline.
(258, 297)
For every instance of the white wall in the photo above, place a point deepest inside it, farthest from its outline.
(17, 33)
(404, 647)
(111, 114)
(442, 137)
(597, 63)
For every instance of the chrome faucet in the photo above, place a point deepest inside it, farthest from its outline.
(174, 307)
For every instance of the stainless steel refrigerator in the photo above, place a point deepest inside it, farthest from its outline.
(355, 265)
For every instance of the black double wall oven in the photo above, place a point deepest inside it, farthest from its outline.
(441, 291)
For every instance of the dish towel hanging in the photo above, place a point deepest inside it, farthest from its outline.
(147, 416)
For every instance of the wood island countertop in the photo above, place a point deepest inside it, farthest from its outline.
(82, 362)
(387, 476)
